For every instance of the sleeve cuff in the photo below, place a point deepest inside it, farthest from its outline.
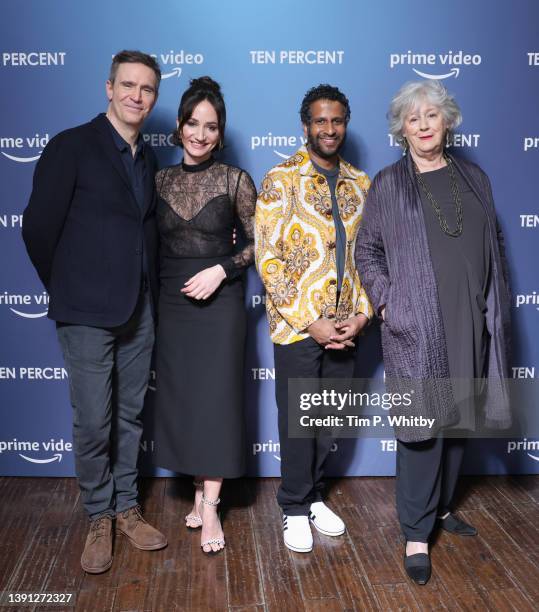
(230, 269)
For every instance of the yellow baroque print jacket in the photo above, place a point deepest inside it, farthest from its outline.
(295, 246)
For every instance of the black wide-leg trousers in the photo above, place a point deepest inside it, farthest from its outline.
(427, 474)
(303, 459)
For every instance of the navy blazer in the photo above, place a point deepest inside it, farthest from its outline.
(85, 232)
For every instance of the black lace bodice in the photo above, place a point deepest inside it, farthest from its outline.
(197, 209)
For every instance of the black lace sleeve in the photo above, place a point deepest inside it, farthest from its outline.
(244, 199)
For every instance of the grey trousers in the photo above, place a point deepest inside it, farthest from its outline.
(108, 372)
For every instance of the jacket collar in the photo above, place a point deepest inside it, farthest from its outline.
(121, 144)
(306, 168)
(102, 126)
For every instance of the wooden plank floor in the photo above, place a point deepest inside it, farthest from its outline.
(43, 527)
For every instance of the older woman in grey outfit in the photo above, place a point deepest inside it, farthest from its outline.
(431, 257)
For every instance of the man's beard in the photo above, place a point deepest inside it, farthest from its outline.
(312, 143)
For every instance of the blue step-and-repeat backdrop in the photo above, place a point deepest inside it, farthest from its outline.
(54, 60)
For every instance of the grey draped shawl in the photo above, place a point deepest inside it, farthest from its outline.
(395, 267)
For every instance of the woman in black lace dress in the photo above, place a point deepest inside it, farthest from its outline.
(201, 326)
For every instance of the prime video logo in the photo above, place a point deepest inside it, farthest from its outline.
(24, 305)
(438, 65)
(16, 144)
(24, 447)
(531, 299)
(525, 445)
(274, 449)
(270, 141)
(257, 300)
(172, 62)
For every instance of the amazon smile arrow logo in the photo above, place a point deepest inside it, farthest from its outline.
(453, 72)
(55, 457)
(30, 315)
(175, 72)
(22, 160)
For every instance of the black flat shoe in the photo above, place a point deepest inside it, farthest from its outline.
(418, 567)
(456, 526)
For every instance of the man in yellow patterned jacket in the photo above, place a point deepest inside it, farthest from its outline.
(307, 216)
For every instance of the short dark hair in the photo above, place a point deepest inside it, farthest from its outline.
(322, 92)
(134, 57)
(203, 88)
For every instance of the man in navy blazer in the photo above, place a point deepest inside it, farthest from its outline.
(91, 234)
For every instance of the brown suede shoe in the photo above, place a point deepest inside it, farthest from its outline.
(97, 555)
(140, 533)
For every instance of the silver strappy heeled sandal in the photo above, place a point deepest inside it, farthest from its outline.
(220, 541)
(192, 517)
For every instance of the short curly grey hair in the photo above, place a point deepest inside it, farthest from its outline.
(409, 96)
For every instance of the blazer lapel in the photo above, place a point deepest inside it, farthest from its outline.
(149, 200)
(112, 154)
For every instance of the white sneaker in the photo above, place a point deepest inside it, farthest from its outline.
(325, 520)
(297, 533)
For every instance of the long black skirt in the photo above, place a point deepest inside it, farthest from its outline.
(199, 418)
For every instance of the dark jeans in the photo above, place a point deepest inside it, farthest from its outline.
(303, 459)
(427, 474)
(108, 372)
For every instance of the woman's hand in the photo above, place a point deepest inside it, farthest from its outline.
(202, 285)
